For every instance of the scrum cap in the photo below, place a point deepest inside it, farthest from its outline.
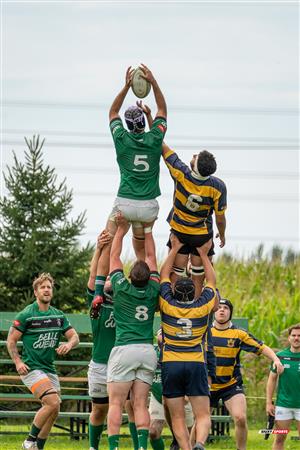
(135, 119)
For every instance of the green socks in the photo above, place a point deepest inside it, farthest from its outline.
(143, 438)
(157, 444)
(99, 285)
(95, 432)
(134, 436)
(33, 433)
(40, 443)
(113, 442)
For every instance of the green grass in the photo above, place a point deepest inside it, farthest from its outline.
(255, 441)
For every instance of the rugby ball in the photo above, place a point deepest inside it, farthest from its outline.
(139, 85)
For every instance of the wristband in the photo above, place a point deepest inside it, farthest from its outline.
(147, 230)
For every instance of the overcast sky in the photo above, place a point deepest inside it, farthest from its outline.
(230, 75)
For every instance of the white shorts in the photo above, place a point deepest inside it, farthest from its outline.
(282, 413)
(156, 411)
(34, 378)
(136, 211)
(97, 374)
(132, 362)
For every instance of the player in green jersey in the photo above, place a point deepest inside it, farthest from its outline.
(288, 393)
(104, 334)
(40, 327)
(132, 362)
(138, 156)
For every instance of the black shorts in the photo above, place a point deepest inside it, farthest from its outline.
(191, 242)
(184, 378)
(225, 394)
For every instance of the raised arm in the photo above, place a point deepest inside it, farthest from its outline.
(13, 337)
(118, 101)
(166, 268)
(271, 386)
(159, 98)
(103, 239)
(116, 247)
(150, 254)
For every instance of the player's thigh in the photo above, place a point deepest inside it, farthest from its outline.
(200, 406)
(181, 260)
(140, 392)
(237, 406)
(38, 382)
(118, 392)
(176, 407)
(282, 425)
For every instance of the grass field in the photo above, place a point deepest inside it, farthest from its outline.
(255, 442)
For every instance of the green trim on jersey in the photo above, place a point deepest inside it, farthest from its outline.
(103, 330)
(42, 331)
(138, 156)
(288, 391)
(134, 309)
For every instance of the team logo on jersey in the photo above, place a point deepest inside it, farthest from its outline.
(58, 321)
(161, 127)
(230, 342)
(46, 340)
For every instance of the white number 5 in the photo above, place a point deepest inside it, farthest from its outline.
(139, 161)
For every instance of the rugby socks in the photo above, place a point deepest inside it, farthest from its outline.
(33, 433)
(157, 444)
(40, 443)
(143, 438)
(95, 432)
(134, 435)
(113, 442)
(99, 285)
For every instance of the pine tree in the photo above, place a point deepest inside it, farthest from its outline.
(38, 236)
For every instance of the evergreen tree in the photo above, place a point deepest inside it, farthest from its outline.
(37, 235)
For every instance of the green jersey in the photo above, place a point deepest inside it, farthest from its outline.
(156, 388)
(42, 331)
(288, 392)
(138, 156)
(134, 309)
(104, 331)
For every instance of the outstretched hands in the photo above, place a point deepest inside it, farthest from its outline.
(148, 75)
(128, 77)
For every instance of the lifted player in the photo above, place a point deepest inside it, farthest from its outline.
(138, 156)
(40, 327)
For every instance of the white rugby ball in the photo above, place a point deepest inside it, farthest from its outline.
(139, 85)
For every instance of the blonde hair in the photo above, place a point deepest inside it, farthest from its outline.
(41, 278)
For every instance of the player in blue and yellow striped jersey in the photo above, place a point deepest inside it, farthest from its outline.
(228, 342)
(184, 322)
(197, 195)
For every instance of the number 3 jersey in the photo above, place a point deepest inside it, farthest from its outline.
(42, 331)
(195, 199)
(184, 324)
(134, 309)
(138, 156)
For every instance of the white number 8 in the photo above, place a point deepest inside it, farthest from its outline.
(141, 313)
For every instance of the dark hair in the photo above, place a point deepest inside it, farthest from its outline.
(206, 163)
(139, 274)
(294, 327)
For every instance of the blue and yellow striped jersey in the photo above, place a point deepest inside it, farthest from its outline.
(195, 199)
(184, 324)
(228, 345)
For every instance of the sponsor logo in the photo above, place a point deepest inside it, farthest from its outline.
(115, 129)
(230, 342)
(161, 127)
(48, 321)
(286, 366)
(267, 431)
(46, 340)
(121, 280)
(59, 321)
(16, 323)
(110, 322)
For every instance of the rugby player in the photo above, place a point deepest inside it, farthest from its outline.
(197, 196)
(138, 156)
(184, 323)
(228, 341)
(288, 392)
(40, 327)
(132, 362)
(103, 333)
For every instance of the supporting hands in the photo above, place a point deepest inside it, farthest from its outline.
(144, 107)
(103, 239)
(123, 224)
(204, 249)
(176, 244)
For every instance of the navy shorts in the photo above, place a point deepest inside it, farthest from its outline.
(184, 378)
(225, 394)
(191, 242)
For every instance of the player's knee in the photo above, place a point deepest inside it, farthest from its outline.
(240, 420)
(98, 413)
(280, 438)
(154, 433)
(52, 401)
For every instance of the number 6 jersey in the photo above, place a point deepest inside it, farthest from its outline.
(134, 309)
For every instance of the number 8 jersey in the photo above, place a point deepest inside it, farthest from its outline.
(184, 324)
(134, 309)
(138, 156)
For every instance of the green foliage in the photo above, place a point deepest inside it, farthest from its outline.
(38, 236)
